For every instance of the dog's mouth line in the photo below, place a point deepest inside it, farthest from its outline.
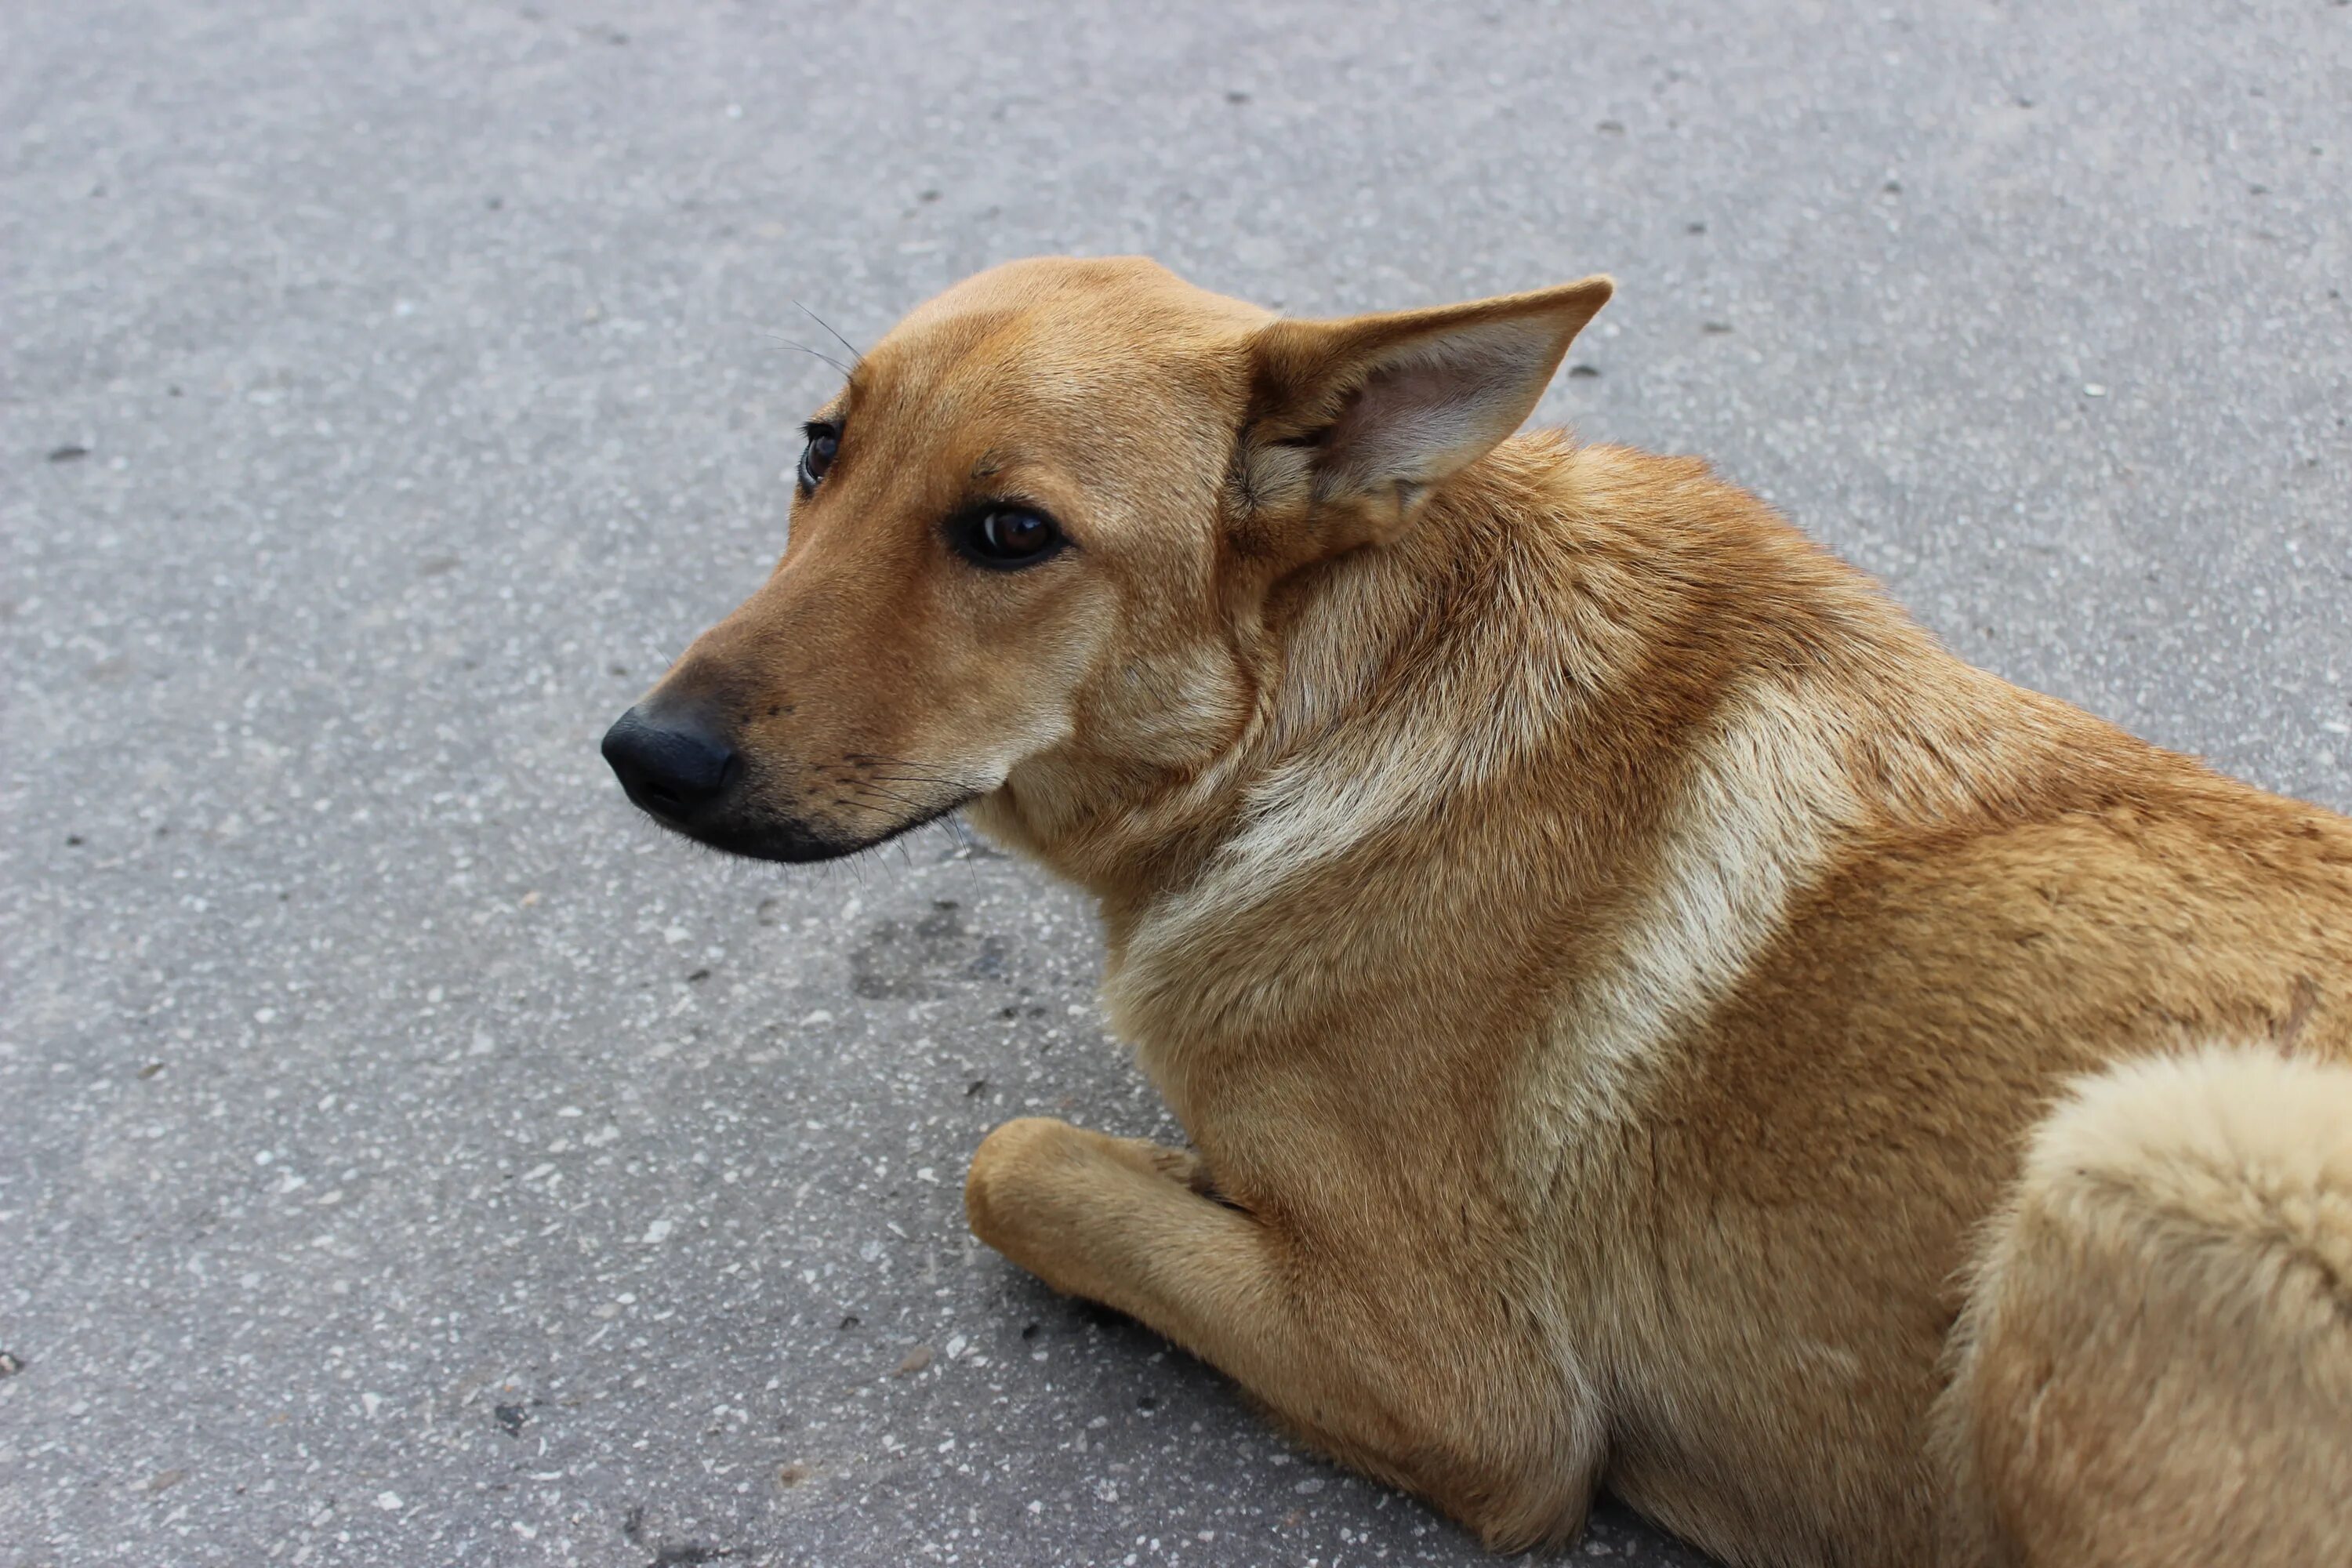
(793, 842)
(924, 820)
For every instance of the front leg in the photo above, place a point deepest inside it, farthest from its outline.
(1409, 1376)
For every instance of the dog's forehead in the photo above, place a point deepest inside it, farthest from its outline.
(1113, 296)
(1055, 335)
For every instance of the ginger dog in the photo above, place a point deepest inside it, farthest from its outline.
(1647, 1016)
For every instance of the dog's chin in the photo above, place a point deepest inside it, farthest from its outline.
(791, 840)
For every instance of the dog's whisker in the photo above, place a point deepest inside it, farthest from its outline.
(882, 760)
(879, 786)
(911, 771)
(870, 790)
(855, 354)
(820, 353)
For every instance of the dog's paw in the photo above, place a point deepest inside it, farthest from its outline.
(1040, 1190)
(1181, 1167)
(1015, 1167)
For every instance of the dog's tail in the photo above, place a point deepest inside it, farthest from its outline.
(2154, 1369)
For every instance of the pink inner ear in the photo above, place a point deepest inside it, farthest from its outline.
(1429, 407)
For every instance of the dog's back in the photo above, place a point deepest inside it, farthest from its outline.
(1927, 903)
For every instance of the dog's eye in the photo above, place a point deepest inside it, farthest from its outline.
(1008, 536)
(823, 442)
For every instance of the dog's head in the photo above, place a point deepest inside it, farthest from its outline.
(1030, 541)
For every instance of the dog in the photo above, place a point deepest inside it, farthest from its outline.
(1646, 1014)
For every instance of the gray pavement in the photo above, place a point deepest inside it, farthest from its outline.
(408, 1157)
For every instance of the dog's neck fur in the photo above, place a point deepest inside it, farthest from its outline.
(1607, 659)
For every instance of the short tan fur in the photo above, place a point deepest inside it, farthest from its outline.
(1646, 1013)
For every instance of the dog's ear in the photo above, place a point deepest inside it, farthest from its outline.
(1353, 421)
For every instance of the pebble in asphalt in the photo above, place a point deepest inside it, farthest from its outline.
(408, 1156)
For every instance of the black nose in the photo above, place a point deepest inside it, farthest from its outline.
(674, 764)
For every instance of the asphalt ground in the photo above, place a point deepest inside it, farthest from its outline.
(408, 1156)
